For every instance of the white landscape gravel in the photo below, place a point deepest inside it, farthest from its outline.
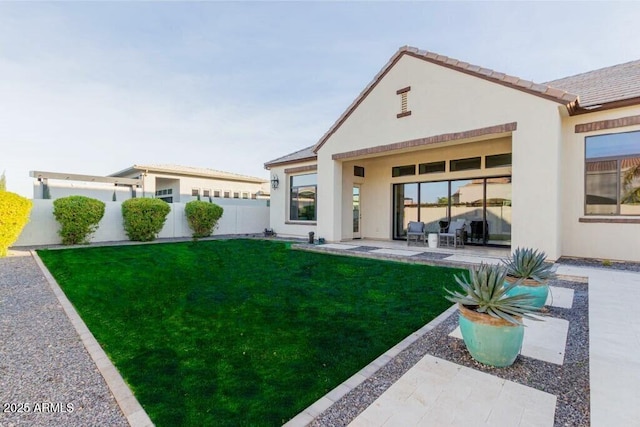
(47, 378)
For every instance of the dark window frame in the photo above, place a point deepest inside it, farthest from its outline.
(608, 158)
(404, 170)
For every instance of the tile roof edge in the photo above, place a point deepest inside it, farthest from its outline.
(544, 91)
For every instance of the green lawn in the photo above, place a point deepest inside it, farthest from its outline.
(241, 332)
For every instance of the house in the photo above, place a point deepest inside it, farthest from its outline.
(174, 183)
(553, 166)
(171, 183)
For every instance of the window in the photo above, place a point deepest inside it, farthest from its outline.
(236, 195)
(227, 194)
(216, 193)
(498, 160)
(195, 192)
(464, 164)
(206, 193)
(612, 174)
(164, 192)
(302, 201)
(397, 171)
(433, 167)
(245, 195)
(254, 196)
(358, 171)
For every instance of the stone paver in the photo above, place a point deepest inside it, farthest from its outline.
(436, 392)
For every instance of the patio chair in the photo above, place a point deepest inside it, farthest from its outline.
(416, 230)
(455, 234)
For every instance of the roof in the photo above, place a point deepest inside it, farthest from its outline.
(603, 86)
(190, 171)
(541, 90)
(298, 156)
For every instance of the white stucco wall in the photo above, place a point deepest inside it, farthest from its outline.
(101, 191)
(182, 186)
(239, 217)
(280, 204)
(444, 101)
(593, 240)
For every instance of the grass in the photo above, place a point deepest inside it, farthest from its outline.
(241, 332)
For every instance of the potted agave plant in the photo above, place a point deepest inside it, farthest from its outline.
(490, 320)
(530, 273)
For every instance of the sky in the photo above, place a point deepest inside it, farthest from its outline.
(96, 87)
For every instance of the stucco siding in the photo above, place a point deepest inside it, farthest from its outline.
(604, 240)
(444, 101)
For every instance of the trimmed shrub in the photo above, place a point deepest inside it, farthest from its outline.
(14, 215)
(79, 217)
(202, 217)
(144, 218)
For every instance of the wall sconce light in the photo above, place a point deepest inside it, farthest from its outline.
(275, 182)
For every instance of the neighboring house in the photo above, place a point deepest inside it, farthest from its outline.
(553, 166)
(174, 183)
(170, 183)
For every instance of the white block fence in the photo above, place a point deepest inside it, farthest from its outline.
(239, 217)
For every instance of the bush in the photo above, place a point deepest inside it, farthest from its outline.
(79, 217)
(14, 215)
(144, 218)
(202, 217)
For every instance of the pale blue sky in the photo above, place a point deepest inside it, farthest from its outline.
(93, 88)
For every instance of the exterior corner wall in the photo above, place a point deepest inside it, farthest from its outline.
(601, 240)
(279, 205)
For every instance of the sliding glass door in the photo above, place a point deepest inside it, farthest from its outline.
(485, 204)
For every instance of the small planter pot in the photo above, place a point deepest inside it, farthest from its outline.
(539, 291)
(491, 341)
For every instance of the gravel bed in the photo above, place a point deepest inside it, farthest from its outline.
(45, 370)
(569, 382)
(600, 263)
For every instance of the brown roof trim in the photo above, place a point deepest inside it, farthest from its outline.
(288, 162)
(299, 169)
(607, 124)
(358, 100)
(513, 82)
(446, 137)
(608, 106)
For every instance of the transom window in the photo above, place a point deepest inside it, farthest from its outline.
(612, 174)
(302, 197)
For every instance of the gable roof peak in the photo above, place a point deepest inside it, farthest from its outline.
(544, 91)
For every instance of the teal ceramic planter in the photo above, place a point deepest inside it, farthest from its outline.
(538, 292)
(491, 341)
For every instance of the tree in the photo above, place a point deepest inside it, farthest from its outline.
(3, 182)
(631, 176)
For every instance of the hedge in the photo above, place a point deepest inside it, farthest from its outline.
(202, 217)
(79, 217)
(14, 215)
(144, 218)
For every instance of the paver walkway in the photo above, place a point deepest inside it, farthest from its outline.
(436, 392)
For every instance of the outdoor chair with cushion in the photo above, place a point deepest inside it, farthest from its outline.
(416, 230)
(455, 234)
